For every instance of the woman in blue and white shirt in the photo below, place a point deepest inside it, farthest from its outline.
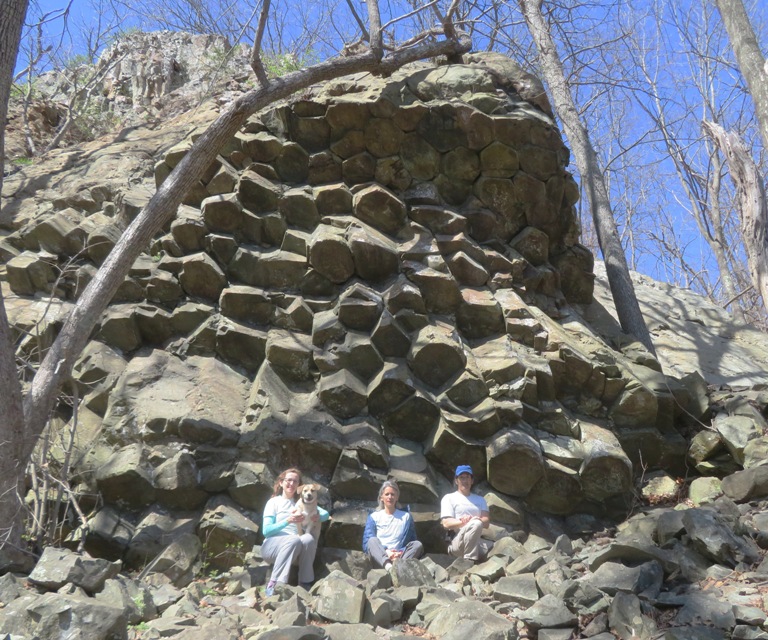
(283, 546)
(389, 532)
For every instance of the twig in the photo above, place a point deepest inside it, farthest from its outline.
(359, 20)
(409, 14)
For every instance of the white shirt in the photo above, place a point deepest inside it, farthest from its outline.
(282, 509)
(390, 529)
(456, 505)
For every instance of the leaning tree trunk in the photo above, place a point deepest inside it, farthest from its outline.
(753, 208)
(11, 22)
(616, 267)
(11, 413)
(751, 61)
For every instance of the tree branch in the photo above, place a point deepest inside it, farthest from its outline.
(256, 63)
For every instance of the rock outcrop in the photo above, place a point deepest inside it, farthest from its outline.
(386, 265)
(381, 278)
(386, 261)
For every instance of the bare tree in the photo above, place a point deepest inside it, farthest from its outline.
(680, 74)
(53, 74)
(670, 61)
(753, 208)
(24, 415)
(12, 431)
(750, 186)
(749, 57)
(701, 185)
(622, 290)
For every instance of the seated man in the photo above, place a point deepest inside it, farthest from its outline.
(464, 515)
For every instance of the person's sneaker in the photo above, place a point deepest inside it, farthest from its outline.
(387, 565)
(270, 589)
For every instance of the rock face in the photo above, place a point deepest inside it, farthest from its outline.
(382, 277)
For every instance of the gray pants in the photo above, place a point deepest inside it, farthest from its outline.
(378, 553)
(468, 544)
(284, 551)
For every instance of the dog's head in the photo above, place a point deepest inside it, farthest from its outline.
(308, 493)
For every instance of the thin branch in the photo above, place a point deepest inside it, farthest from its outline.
(359, 21)
(738, 295)
(256, 64)
(419, 9)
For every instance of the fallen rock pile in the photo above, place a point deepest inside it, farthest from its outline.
(679, 573)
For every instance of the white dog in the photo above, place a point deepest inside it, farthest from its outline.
(307, 507)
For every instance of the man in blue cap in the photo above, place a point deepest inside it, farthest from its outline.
(464, 515)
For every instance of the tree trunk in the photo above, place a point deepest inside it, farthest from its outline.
(11, 413)
(749, 57)
(753, 208)
(76, 331)
(622, 290)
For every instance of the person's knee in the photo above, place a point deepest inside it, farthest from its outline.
(474, 525)
(294, 543)
(418, 549)
(308, 540)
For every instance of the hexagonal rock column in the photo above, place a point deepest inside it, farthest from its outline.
(228, 533)
(414, 418)
(251, 485)
(479, 315)
(436, 355)
(127, 476)
(258, 194)
(28, 273)
(445, 449)
(343, 394)
(380, 208)
(329, 254)
(177, 482)
(359, 308)
(606, 470)
(515, 462)
(558, 491)
(222, 213)
(389, 388)
(375, 255)
(290, 354)
(202, 277)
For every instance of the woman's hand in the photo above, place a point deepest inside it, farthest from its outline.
(295, 517)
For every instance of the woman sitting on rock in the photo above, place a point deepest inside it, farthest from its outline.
(283, 546)
(389, 532)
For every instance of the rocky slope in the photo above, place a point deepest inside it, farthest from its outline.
(381, 278)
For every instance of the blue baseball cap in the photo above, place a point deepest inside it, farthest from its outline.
(464, 468)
